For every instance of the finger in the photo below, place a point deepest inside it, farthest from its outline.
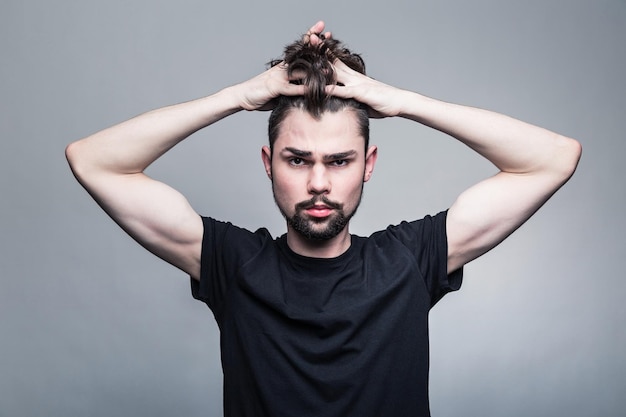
(293, 90)
(314, 39)
(338, 91)
(340, 65)
(297, 75)
(314, 34)
(342, 72)
(346, 75)
(317, 27)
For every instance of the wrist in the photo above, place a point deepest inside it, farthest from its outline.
(413, 105)
(231, 99)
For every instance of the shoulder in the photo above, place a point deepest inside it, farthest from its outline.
(414, 249)
(222, 234)
(414, 232)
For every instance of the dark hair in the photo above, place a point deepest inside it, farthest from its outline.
(315, 62)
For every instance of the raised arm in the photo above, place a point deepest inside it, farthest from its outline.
(110, 165)
(533, 162)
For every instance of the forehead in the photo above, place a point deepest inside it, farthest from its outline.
(332, 132)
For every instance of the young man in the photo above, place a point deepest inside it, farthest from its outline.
(320, 322)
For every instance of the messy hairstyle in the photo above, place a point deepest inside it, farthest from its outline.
(315, 62)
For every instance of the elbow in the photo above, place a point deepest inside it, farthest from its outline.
(575, 152)
(70, 154)
(568, 154)
(74, 154)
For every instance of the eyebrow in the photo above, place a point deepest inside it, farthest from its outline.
(329, 157)
(298, 152)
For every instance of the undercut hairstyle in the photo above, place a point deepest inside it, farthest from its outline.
(314, 64)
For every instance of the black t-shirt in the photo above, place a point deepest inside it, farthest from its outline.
(346, 336)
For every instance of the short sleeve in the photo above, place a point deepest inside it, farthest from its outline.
(225, 248)
(427, 240)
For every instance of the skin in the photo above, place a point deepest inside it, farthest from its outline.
(533, 163)
(314, 158)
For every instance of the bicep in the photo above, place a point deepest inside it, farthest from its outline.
(157, 216)
(487, 213)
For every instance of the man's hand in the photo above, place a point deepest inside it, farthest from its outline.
(315, 35)
(382, 99)
(258, 92)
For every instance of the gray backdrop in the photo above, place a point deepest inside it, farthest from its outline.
(92, 325)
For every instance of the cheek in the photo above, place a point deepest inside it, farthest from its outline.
(357, 191)
(350, 192)
(285, 187)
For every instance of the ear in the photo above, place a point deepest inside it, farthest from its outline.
(370, 161)
(266, 156)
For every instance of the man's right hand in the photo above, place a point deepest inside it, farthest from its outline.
(258, 92)
(110, 164)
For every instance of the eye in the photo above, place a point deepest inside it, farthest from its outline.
(339, 163)
(295, 161)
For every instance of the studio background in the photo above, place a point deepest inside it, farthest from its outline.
(92, 325)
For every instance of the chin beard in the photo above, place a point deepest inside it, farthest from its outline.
(318, 229)
(334, 224)
(307, 227)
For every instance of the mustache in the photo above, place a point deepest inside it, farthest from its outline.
(317, 200)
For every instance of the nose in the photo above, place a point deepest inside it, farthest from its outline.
(319, 181)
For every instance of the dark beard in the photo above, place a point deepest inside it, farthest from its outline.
(337, 221)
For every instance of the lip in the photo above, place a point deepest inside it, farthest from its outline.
(318, 211)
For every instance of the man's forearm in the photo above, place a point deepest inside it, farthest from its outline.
(130, 147)
(512, 145)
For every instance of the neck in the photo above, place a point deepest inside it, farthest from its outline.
(330, 248)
